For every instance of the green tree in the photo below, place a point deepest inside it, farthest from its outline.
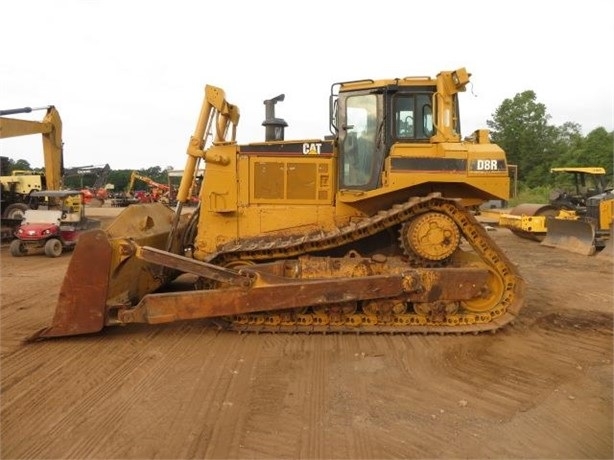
(520, 127)
(596, 149)
(120, 179)
(21, 165)
(568, 136)
(154, 172)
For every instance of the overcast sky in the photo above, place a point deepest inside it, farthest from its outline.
(128, 77)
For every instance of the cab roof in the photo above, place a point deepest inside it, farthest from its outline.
(593, 170)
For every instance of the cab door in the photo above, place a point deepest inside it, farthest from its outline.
(361, 141)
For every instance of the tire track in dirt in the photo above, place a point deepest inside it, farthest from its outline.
(24, 297)
(313, 405)
(503, 389)
(233, 389)
(116, 374)
(169, 404)
(275, 422)
(174, 397)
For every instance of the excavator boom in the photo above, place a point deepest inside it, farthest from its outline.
(50, 128)
(16, 188)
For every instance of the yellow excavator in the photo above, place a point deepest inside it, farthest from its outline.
(368, 230)
(158, 192)
(16, 187)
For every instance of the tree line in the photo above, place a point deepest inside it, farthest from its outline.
(521, 127)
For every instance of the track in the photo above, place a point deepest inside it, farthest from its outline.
(499, 307)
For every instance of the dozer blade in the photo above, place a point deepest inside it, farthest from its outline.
(571, 235)
(81, 303)
(104, 272)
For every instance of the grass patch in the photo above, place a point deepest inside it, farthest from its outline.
(531, 195)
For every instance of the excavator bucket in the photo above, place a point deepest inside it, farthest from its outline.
(103, 272)
(571, 235)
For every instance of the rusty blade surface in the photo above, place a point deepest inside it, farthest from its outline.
(81, 303)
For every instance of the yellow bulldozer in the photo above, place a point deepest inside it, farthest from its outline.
(578, 217)
(367, 230)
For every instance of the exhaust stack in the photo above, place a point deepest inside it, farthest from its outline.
(275, 127)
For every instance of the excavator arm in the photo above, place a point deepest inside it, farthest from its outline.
(102, 177)
(50, 128)
(150, 182)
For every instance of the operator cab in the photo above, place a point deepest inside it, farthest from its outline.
(370, 116)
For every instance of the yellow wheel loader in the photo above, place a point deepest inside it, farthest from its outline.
(368, 230)
(577, 218)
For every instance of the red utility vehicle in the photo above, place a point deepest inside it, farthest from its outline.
(54, 225)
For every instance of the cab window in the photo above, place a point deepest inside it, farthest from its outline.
(413, 116)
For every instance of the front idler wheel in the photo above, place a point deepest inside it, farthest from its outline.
(490, 297)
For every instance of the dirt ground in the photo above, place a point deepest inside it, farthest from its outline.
(541, 388)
